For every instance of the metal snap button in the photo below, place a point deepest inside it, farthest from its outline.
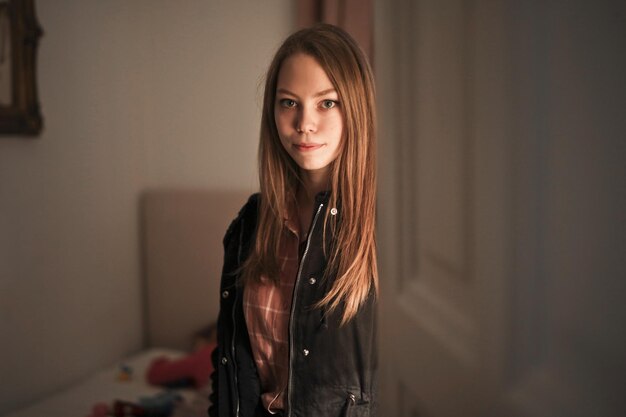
(333, 211)
(306, 352)
(312, 280)
(225, 294)
(224, 360)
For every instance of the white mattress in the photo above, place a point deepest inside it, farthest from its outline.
(105, 387)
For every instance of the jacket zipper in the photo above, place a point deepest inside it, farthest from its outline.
(232, 344)
(293, 309)
(350, 401)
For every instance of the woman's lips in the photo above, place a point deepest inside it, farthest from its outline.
(307, 147)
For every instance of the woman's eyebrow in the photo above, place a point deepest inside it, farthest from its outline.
(321, 93)
(324, 92)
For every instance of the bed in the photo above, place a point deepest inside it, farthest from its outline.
(181, 233)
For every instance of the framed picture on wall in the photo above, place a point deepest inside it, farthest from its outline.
(20, 113)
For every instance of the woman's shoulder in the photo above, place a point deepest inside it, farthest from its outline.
(246, 216)
(253, 200)
(251, 207)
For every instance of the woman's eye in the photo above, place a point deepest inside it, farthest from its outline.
(287, 102)
(329, 104)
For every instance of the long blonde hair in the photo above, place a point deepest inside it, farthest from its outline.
(352, 256)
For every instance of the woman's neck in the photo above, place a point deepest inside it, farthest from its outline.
(313, 182)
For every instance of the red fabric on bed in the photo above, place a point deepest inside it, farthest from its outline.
(196, 366)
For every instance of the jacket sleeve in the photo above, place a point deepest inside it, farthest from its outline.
(214, 396)
(232, 249)
(214, 386)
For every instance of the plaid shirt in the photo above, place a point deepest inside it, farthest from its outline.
(267, 307)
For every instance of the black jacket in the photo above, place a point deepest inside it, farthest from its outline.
(332, 368)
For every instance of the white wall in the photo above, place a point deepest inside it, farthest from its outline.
(135, 95)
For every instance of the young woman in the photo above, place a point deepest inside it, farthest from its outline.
(296, 330)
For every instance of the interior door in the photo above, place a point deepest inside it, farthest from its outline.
(501, 159)
(442, 224)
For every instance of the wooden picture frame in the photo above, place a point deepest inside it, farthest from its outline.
(19, 36)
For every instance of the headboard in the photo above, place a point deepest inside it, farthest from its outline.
(182, 260)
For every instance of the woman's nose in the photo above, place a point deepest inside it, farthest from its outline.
(306, 121)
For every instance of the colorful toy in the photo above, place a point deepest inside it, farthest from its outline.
(99, 410)
(125, 373)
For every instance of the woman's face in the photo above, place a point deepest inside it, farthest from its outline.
(308, 114)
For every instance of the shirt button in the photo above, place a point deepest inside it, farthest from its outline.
(333, 211)
(224, 360)
(306, 352)
(312, 280)
(225, 294)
